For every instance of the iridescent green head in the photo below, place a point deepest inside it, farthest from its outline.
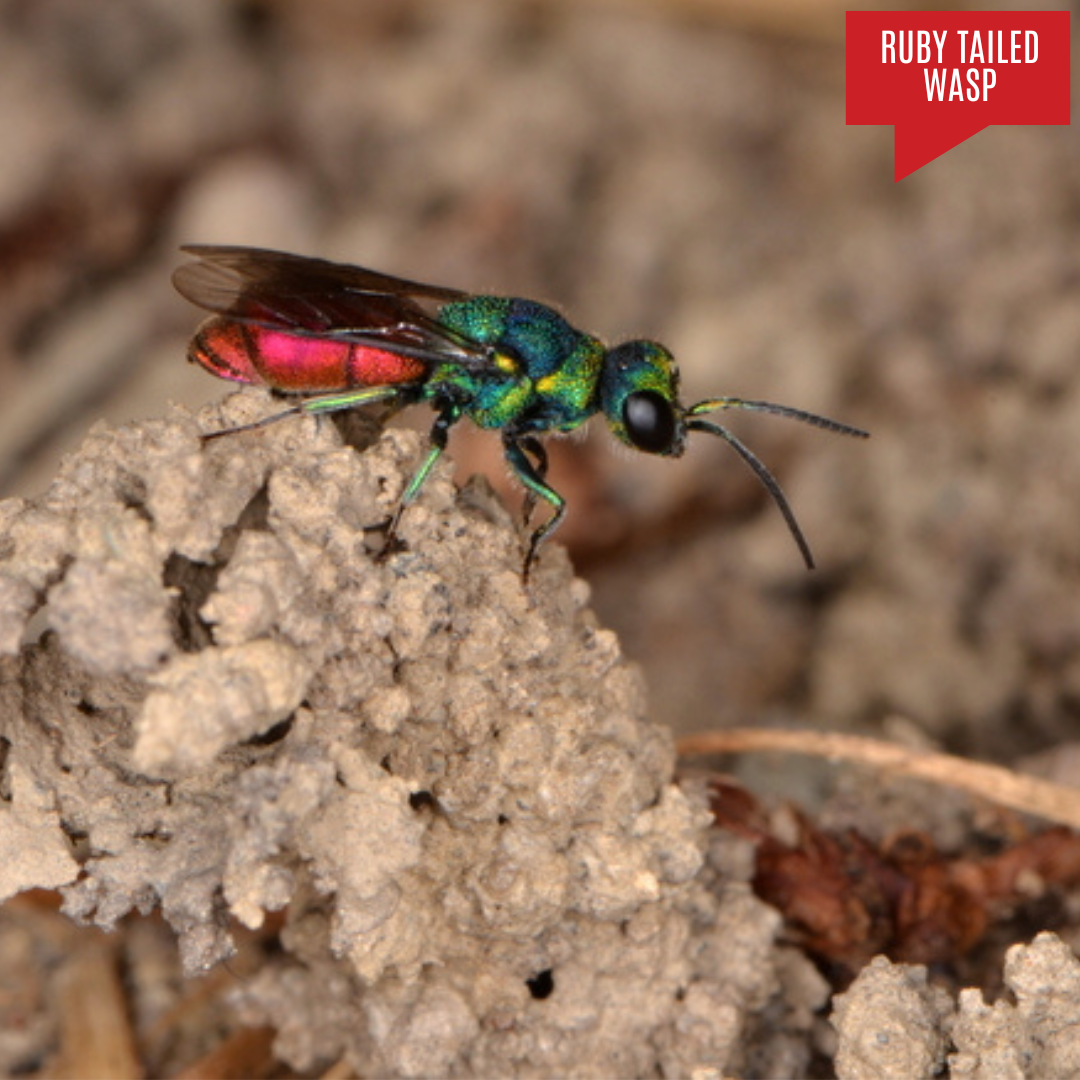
(639, 395)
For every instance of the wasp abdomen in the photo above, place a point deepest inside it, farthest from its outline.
(295, 362)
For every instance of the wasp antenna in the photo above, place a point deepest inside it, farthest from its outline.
(777, 410)
(767, 479)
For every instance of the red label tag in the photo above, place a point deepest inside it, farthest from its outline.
(942, 76)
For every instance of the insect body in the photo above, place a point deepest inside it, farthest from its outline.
(340, 336)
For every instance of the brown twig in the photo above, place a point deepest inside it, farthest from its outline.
(248, 1052)
(1027, 794)
(95, 1032)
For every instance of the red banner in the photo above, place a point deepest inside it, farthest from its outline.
(942, 76)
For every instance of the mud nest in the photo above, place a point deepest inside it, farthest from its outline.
(219, 700)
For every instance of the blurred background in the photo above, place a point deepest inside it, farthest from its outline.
(676, 170)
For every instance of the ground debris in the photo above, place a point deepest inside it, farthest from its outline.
(847, 898)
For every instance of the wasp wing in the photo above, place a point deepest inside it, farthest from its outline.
(319, 298)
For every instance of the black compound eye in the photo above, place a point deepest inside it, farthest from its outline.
(650, 421)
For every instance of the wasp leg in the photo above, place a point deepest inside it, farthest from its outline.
(536, 487)
(449, 414)
(329, 403)
(532, 445)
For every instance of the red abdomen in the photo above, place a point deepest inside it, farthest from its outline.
(295, 362)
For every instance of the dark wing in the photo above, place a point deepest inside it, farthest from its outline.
(323, 299)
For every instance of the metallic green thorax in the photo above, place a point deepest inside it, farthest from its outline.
(544, 376)
(548, 372)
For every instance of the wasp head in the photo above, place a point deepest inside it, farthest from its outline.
(639, 395)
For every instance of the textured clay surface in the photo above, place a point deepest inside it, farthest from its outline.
(893, 1024)
(225, 704)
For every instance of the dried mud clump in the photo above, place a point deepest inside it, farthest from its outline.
(893, 1023)
(217, 700)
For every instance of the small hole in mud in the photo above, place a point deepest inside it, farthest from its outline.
(254, 516)
(79, 842)
(541, 986)
(271, 946)
(419, 800)
(272, 734)
(502, 819)
(155, 837)
(193, 582)
(133, 494)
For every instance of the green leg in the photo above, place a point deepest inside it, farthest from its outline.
(532, 445)
(316, 406)
(536, 487)
(440, 431)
